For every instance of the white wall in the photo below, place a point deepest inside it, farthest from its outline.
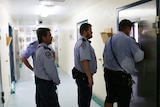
(5, 62)
(101, 15)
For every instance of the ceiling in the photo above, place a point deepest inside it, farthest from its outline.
(26, 13)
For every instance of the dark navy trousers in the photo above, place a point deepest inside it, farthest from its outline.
(46, 95)
(84, 92)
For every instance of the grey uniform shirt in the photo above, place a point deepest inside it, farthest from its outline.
(30, 51)
(44, 65)
(126, 51)
(84, 51)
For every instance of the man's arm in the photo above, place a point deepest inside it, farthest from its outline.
(86, 68)
(54, 56)
(25, 61)
(50, 67)
(138, 54)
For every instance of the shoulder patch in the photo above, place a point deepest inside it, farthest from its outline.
(48, 54)
(83, 45)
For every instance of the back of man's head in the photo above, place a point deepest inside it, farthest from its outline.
(124, 24)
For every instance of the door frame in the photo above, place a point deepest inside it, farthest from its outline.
(129, 6)
(1, 86)
(11, 54)
(158, 53)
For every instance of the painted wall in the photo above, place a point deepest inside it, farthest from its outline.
(101, 15)
(5, 62)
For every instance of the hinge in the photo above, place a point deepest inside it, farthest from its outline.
(157, 18)
(2, 97)
(156, 25)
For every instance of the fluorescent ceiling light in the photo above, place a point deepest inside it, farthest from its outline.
(47, 3)
(46, 11)
(53, 0)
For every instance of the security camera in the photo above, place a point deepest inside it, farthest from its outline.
(40, 22)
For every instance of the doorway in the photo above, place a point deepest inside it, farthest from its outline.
(1, 88)
(11, 60)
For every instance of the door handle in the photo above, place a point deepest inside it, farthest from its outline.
(156, 25)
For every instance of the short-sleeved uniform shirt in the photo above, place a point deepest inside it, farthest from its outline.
(125, 50)
(45, 67)
(31, 51)
(84, 51)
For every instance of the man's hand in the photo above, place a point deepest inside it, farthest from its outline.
(87, 71)
(25, 61)
(90, 81)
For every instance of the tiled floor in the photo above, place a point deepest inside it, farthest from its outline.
(25, 91)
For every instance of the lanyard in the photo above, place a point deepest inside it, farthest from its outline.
(114, 54)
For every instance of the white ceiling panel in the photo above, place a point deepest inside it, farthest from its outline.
(27, 12)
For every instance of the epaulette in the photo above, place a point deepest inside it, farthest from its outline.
(89, 41)
(38, 46)
(45, 47)
(84, 40)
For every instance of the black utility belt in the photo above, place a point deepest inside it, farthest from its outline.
(123, 75)
(78, 74)
(115, 72)
(43, 80)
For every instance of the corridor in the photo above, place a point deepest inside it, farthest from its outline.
(25, 91)
(20, 20)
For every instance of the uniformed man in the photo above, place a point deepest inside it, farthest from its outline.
(31, 51)
(45, 71)
(85, 65)
(120, 54)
